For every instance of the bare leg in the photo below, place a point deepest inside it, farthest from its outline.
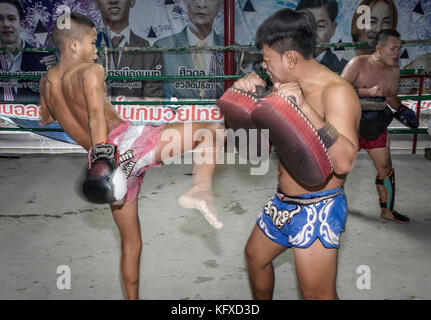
(381, 158)
(127, 221)
(316, 270)
(259, 254)
(201, 137)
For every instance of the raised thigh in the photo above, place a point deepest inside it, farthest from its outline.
(178, 138)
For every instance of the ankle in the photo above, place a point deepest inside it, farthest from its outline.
(201, 186)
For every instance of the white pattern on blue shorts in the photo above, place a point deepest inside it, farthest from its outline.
(300, 225)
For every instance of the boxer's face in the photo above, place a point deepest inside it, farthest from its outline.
(390, 51)
(114, 11)
(273, 64)
(10, 24)
(87, 49)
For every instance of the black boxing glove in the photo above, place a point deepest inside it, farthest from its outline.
(105, 181)
(407, 117)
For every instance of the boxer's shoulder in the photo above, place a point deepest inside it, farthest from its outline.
(91, 73)
(335, 86)
(92, 69)
(359, 61)
(339, 95)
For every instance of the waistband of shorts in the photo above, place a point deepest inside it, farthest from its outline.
(309, 198)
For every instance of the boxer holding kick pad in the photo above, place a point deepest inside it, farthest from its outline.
(289, 129)
(308, 219)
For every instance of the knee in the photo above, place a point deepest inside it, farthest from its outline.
(131, 247)
(311, 292)
(385, 170)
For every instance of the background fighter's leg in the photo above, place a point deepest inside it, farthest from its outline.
(127, 220)
(388, 184)
(201, 137)
(316, 270)
(381, 158)
(259, 254)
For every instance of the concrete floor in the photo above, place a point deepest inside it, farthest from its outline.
(44, 225)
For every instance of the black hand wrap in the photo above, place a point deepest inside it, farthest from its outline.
(328, 134)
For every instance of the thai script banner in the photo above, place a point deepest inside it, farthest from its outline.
(138, 114)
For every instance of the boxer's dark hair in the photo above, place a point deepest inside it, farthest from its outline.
(18, 5)
(60, 35)
(288, 30)
(384, 35)
(330, 5)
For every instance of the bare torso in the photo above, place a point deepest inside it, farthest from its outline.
(314, 97)
(63, 96)
(370, 75)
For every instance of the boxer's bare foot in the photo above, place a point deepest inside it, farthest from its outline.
(199, 197)
(394, 217)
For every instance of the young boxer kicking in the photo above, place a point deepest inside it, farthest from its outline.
(308, 211)
(74, 94)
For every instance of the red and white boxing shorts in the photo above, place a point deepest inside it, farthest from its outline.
(137, 146)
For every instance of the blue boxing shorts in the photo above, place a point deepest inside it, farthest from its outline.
(299, 221)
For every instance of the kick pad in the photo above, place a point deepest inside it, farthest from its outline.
(237, 107)
(296, 140)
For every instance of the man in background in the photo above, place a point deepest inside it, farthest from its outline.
(199, 32)
(325, 12)
(376, 79)
(11, 26)
(16, 60)
(115, 17)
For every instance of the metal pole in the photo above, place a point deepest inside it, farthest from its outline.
(418, 112)
(229, 40)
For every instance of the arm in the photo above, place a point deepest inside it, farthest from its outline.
(343, 111)
(392, 95)
(45, 115)
(403, 113)
(93, 83)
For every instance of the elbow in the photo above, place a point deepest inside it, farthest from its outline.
(345, 164)
(343, 168)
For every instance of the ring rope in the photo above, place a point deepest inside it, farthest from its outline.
(214, 48)
(19, 76)
(390, 130)
(37, 75)
(190, 102)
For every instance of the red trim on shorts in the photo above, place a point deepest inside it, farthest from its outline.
(381, 142)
